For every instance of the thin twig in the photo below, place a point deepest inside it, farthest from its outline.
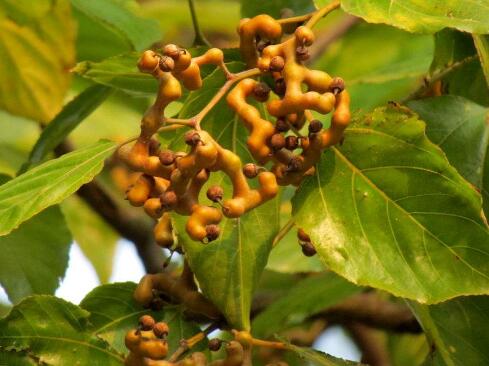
(283, 231)
(438, 75)
(316, 16)
(326, 38)
(224, 89)
(199, 39)
(187, 344)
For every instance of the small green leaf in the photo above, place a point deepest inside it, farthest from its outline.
(95, 237)
(36, 52)
(457, 330)
(121, 17)
(459, 127)
(55, 332)
(65, 122)
(35, 255)
(304, 299)
(119, 72)
(316, 358)
(387, 210)
(49, 183)
(421, 15)
(114, 312)
(245, 243)
(250, 8)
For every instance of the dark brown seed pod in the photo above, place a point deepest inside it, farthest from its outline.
(277, 64)
(277, 141)
(315, 126)
(146, 322)
(215, 344)
(168, 200)
(172, 50)
(295, 164)
(161, 329)
(213, 232)
(302, 53)
(166, 64)
(192, 138)
(308, 249)
(302, 236)
(261, 92)
(250, 170)
(282, 125)
(280, 87)
(167, 157)
(337, 85)
(215, 193)
(291, 142)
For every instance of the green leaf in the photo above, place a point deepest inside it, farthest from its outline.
(407, 349)
(95, 41)
(122, 18)
(485, 185)
(316, 358)
(482, 45)
(65, 122)
(454, 48)
(114, 312)
(304, 299)
(49, 183)
(13, 358)
(390, 73)
(459, 127)
(420, 15)
(36, 52)
(245, 243)
(387, 210)
(95, 237)
(56, 332)
(119, 72)
(457, 330)
(35, 255)
(250, 8)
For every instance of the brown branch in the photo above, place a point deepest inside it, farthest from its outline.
(330, 35)
(372, 310)
(134, 228)
(370, 342)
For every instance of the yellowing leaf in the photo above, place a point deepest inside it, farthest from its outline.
(36, 53)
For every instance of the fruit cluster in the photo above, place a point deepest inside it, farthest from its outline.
(148, 346)
(172, 181)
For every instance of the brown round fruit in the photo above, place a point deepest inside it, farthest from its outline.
(215, 193)
(146, 322)
(250, 170)
(213, 232)
(215, 344)
(168, 200)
